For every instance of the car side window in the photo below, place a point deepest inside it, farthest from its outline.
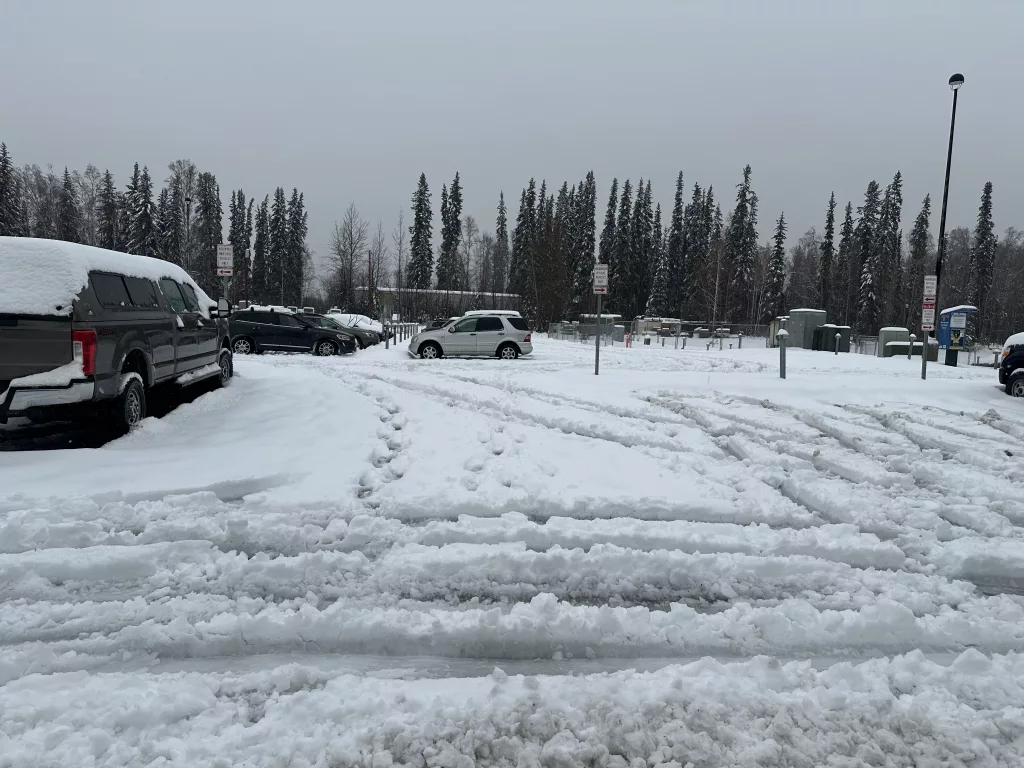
(110, 290)
(465, 326)
(518, 323)
(288, 321)
(173, 294)
(489, 324)
(191, 300)
(142, 292)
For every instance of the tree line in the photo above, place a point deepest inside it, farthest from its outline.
(697, 262)
(183, 223)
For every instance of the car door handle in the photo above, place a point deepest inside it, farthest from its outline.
(501, 333)
(472, 334)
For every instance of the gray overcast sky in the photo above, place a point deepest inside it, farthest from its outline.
(351, 101)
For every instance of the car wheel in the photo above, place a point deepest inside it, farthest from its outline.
(1015, 386)
(325, 348)
(243, 346)
(508, 352)
(227, 369)
(430, 351)
(131, 406)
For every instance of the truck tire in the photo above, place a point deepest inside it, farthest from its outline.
(130, 407)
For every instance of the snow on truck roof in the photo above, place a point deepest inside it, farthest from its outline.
(43, 277)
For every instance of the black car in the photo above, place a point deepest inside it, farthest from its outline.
(86, 332)
(1011, 365)
(254, 331)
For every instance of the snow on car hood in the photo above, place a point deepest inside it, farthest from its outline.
(43, 277)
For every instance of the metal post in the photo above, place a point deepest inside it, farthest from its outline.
(839, 337)
(781, 336)
(387, 337)
(954, 82)
(910, 349)
(741, 340)
(597, 346)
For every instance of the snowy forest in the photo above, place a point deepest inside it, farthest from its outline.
(182, 223)
(691, 260)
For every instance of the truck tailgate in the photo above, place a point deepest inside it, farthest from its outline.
(33, 344)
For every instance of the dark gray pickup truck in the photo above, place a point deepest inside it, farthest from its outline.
(87, 332)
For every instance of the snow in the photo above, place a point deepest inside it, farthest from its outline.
(199, 373)
(958, 308)
(43, 277)
(57, 377)
(379, 560)
(1017, 338)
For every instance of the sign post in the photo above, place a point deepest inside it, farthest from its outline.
(225, 264)
(600, 289)
(927, 320)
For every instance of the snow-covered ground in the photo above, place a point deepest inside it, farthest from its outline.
(374, 559)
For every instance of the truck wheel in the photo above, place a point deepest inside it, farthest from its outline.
(227, 368)
(1015, 386)
(130, 408)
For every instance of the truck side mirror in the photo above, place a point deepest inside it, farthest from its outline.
(223, 307)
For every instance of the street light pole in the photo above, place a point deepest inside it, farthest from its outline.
(955, 81)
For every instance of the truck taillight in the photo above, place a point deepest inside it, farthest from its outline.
(84, 345)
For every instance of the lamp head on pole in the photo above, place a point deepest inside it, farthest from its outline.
(955, 81)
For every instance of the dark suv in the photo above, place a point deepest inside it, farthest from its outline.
(257, 330)
(86, 332)
(1011, 365)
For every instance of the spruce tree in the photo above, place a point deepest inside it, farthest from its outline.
(607, 243)
(867, 257)
(68, 214)
(983, 251)
(524, 238)
(619, 277)
(208, 233)
(920, 249)
(499, 264)
(421, 254)
(775, 279)
(141, 224)
(10, 204)
(657, 303)
(164, 221)
(23, 227)
(448, 271)
(888, 252)
(695, 247)
(278, 255)
(742, 247)
(260, 281)
(827, 256)
(843, 284)
(583, 242)
(239, 243)
(109, 228)
(297, 228)
(246, 287)
(676, 271)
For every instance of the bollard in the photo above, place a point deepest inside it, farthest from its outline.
(910, 349)
(839, 336)
(684, 342)
(781, 336)
(721, 343)
(741, 340)
(387, 336)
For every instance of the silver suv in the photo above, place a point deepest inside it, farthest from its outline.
(475, 335)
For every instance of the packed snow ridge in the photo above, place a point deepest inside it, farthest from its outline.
(375, 560)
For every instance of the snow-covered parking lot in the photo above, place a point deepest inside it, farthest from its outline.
(375, 559)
